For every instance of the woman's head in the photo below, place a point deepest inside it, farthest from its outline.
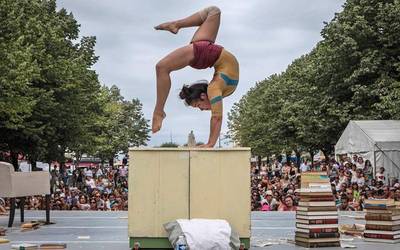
(289, 201)
(195, 95)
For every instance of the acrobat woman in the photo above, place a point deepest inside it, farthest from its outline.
(201, 53)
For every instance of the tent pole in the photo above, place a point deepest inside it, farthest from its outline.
(374, 169)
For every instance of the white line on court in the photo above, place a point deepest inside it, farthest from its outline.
(74, 217)
(74, 241)
(75, 227)
(273, 228)
(79, 227)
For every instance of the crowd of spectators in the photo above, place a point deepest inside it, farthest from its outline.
(98, 188)
(275, 185)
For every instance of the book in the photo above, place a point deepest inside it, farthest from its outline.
(317, 198)
(318, 226)
(388, 202)
(317, 213)
(382, 222)
(391, 211)
(379, 206)
(24, 246)
(316, 217)
(385, 217)
(316, 240)
(321, 221)
(382, 240)
(320, 244)
(3, 240)
(53, 246)
(316, 203)
(315, 192)
(382, 227)
(318, 230)
(314, 179)
(309, 209)
(317, 235)
(382, 232)
(382, 236)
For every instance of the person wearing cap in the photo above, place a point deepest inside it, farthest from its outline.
(201, 53)
(268, 201)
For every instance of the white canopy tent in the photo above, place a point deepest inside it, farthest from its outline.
(377, 141)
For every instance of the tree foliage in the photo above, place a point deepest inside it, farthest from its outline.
(50, 98)
(169, 145)
(352, 74)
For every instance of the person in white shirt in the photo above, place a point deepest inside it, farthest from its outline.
(123, 171)
(359, 178)
(354, 159)
(360, 163)
(99, 172)
(304, 167)
(89, 172)
(353, 173)
(90, 182)
(380, 176)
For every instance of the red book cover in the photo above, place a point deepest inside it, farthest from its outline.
(323, 230)
(327, 221)
(379, 236)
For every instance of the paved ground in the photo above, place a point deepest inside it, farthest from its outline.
(108, 230)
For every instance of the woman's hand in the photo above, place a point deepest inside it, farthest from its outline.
(204, 146)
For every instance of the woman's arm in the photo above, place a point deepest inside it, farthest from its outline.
(215, 129)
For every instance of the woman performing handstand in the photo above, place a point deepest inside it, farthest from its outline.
(201, 53)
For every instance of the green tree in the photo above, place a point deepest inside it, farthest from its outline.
(353, 73)
(50, 98)
(122, 125)
(169, 145)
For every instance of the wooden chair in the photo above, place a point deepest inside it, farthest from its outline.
(21, 184)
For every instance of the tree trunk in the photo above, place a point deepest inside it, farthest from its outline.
(297, 158)
(62, 167)
(259, 162)
(312, 158)
(14, 160)
(288, 156)
(111, 162)
(33, 160)
(34, 165)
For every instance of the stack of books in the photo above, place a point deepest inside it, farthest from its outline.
(316, 215)
(382, 221)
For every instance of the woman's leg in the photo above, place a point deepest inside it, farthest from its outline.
(208, 19)
(176, 60)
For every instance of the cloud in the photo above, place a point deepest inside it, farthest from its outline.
(265, 36)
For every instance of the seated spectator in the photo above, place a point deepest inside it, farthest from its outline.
(304, 167)
(380, 176)
(344, 204)
(93, 205)
(90, 183)
(3, 210)
(82, 204)
(358, 178)
(396, 195)
(268, 203)
(360, 163)
(287, 204)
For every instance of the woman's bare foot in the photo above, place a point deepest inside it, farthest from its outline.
(158, 118)
(169, 26)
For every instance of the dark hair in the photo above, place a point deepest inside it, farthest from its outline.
(193, 92)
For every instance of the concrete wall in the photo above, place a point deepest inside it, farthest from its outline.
(167, 184)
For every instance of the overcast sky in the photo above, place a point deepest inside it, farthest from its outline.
(264, 35)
